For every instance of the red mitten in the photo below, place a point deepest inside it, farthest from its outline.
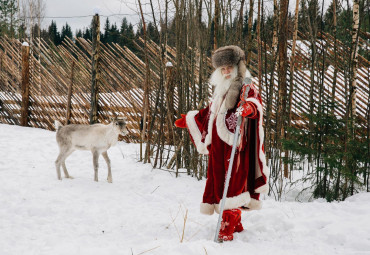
(181, 123)
(249, 110)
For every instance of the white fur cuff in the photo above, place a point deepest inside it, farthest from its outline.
(264, 189)
(254, 204)
(195, 133)
(234, 202)
(207, 208)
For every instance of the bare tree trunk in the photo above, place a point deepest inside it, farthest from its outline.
(292, 62)
(281, 113)
(146, 84)
(250, 21)
(240, 23)
(95, 79)
(275, 29)
(259, 45)
(353, 91)
(335, 55)
(216, 24)
(291, 77)
(355, 33)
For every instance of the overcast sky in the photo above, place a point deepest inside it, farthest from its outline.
(78, 13)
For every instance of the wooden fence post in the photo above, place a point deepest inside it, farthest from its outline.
(25, 89)
(69, 96)
(95, 69)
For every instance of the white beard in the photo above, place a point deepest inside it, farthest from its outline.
(221, 84)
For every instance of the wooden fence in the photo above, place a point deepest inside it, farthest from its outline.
(56, 70)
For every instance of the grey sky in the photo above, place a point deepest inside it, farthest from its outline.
(75, 10)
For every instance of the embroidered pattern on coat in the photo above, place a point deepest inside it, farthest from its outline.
(232, 121)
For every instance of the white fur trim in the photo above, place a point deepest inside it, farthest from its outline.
(262, 157)
(222, 130)
(243, 199)
(234, 202)
(254, 204)
(207, 208)
(247, 74)
(195, 133)
(264, 189)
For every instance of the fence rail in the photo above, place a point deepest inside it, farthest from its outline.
(53, 70)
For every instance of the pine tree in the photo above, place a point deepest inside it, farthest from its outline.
(114, 34)
(105, 37)
(54, 35)
(79, 33)
(127, 35)
(152, 32)
(87, 35)
(8, 20)
(124, 26)
(327, 149)
(245, 25)
(66, 32)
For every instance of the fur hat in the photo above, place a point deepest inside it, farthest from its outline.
(227, 56)
(231, 55)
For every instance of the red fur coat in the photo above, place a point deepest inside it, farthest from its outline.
(212, 131)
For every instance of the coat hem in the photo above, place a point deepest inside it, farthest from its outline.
(235, 202)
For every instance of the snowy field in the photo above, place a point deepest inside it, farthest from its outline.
(143, 210)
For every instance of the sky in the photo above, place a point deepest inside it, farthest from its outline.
(78, 13)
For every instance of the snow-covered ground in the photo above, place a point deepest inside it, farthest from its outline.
(143, 210)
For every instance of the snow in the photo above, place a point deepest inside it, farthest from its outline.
(143, 210)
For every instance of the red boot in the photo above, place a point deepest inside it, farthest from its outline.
(229, 220)
(238, 226)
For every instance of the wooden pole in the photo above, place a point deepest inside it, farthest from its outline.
(69, 96)
(146, 86)
(25, 89)
(95, 69)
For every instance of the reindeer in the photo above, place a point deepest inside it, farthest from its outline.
(97, 138)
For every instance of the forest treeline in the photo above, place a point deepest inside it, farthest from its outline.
(124, 33)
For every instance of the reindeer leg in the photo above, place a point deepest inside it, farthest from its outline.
(66, 175)
(57, 165)
(96, 163)
(63, 154)
(107, 160)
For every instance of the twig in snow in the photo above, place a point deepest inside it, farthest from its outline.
(183, 229)
(149, 250)
(205, 250)
(154, 190)
(173, 221)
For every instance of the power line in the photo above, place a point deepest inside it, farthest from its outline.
(86, 16)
